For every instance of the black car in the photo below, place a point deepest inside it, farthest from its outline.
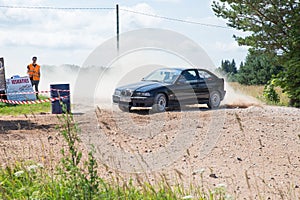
(170, 88)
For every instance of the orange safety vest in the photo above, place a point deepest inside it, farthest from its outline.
(34, 72)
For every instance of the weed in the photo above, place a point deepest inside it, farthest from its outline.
(270, 94)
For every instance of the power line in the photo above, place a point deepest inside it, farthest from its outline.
(55, 8)
(176, 19)
(108, 8)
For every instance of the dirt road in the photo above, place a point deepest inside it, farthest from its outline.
(254, 151)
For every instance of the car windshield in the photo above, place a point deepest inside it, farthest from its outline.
(163, 75)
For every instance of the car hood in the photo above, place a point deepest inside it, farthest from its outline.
(142, 86)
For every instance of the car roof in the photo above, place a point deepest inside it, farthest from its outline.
(195, 68)
(183, 68)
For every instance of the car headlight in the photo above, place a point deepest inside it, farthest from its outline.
(144, 94)
(117, 92)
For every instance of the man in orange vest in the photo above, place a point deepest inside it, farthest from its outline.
(33, 70)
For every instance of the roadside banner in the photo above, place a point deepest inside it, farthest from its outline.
(2, 76)
(20, 89)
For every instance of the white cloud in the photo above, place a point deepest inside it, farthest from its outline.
(66, 29)
(229, 47)
(58, 36)
(129, 20)
(210, 20)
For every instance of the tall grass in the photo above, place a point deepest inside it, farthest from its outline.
(257, 91)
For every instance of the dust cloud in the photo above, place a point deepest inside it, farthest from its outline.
(95, 85)
(236, 99)
(119, 74)
(64, 74)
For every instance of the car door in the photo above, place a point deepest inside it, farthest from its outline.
(202, 89)
(187, 86)
(207, 84)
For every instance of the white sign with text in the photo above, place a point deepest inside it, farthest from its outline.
(20, 89)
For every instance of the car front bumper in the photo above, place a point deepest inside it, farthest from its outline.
(133, 101)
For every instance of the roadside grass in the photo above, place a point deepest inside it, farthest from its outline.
(256, 91)
(12, 109)
(34, 182)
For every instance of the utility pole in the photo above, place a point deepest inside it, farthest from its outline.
(117, 14)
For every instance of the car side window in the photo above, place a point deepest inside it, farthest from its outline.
(190, 76)
(204, 75)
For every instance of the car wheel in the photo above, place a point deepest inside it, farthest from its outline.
(160, 103)
(125, 108)
(214, 100)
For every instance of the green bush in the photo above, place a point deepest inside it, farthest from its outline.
(270, 94)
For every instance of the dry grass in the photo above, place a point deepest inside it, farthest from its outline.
(256, 91)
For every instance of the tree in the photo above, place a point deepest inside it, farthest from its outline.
(274, 27)
(241, 64)
(269, 21)
(258, 69)
(228, 69)
(225, 65)
(232, 68)
(289, 79)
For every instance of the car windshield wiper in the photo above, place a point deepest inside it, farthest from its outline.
(153, 80)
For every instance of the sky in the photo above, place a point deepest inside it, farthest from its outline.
(60, 37)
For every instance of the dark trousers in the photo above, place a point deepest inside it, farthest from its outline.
(36, 87)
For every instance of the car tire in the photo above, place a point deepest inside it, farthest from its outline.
(214, 100)
(160, 103)
(125, 108)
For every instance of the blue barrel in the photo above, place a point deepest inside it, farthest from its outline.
(60, 90)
